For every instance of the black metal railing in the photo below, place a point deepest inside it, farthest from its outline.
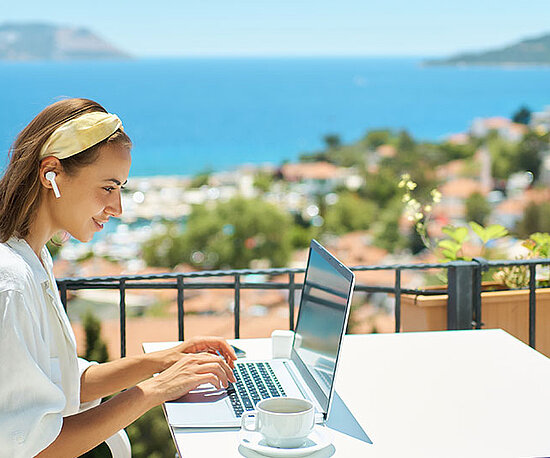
(464, 281)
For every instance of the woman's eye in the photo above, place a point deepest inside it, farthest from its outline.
(108, 188)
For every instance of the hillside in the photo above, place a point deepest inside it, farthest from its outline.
(532, 51)
(24, 42)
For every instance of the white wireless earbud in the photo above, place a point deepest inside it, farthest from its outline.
(50, 176)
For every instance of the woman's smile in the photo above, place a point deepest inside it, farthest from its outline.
(98, 224)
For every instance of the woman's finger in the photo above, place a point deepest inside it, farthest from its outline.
(209, 378)
(229, 350)
(205, 358)
(199, 379)
(225, 366)
(227, 371)
(215, 369)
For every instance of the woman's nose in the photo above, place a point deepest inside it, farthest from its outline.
(115, 207)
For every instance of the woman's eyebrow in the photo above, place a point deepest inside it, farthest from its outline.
(117, 182)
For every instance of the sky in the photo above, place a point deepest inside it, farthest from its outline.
(164, 28)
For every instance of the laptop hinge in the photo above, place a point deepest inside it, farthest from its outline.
(320, 416)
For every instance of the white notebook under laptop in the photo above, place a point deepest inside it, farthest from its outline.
(310, 371)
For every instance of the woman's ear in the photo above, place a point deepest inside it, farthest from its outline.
(48, 166)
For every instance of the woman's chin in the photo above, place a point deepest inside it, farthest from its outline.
(84, 238)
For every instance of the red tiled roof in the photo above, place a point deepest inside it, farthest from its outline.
(386, 150)
(458, 139)
(451, 169)
(516, 205)
(461, 188)
(496, 122)
(309, 171)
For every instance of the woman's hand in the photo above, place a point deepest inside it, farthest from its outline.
(208, 344)
(190, 371)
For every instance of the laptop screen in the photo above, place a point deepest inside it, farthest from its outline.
(324, 309)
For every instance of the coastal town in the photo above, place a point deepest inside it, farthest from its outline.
(234, 141)
(151, 204)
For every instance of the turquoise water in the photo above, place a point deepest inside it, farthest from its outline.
(187, 115)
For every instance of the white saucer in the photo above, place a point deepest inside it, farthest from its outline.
(318, 439)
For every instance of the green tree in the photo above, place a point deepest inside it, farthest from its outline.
(347, 156)
(536, 218)
(332, 141)
(375, 138)
(451, 151)
(302, 231)
(231, 234)
(164, 249)
(386, 229)
(150, 436)
(405, 142)
(522, 116)
(503, 156)
(350, 213)
(96, 348)
(201, 179)
(263, 181)
(415, 242)
(529, 153)
(380, 187)
(478, 208)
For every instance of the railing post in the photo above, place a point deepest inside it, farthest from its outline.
(481, 267)
(63, 294)
(122, 288)
(291, 294)
(180, 308)
(237, 306)
(532, 304)
(397, 300)
(460, 277)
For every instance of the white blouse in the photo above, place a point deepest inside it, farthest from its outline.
(39, 369)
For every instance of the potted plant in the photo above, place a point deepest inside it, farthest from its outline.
(504, 304)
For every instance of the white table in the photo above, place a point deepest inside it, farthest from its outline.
(476, 393)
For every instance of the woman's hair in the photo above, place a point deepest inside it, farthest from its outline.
(20, 186)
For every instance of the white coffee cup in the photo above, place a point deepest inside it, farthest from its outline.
(284, 422)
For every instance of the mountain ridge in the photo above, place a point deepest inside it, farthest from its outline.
(529, 51)
(43, 41)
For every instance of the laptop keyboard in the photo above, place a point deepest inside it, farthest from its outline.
(255, 381)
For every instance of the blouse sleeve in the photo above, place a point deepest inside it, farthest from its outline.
(30, 403)
(83, 365)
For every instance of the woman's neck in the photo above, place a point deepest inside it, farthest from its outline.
(41, 230)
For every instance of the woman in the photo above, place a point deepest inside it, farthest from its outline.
(66, 171)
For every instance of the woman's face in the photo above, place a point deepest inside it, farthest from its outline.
(91, 196)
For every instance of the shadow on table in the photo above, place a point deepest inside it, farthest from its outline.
(342, 420)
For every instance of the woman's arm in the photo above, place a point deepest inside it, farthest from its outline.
(105, 379)
(88, 429)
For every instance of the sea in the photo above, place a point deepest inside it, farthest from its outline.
(191, 115)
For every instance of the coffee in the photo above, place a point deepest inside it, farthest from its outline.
(284, 422)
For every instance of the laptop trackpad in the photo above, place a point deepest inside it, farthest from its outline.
(204, 394)
(189, 410)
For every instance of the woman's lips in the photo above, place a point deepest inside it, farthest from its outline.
(98, 225)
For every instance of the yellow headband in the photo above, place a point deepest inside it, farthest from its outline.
(80, 133)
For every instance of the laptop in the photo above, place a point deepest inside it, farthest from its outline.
(310, 371)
